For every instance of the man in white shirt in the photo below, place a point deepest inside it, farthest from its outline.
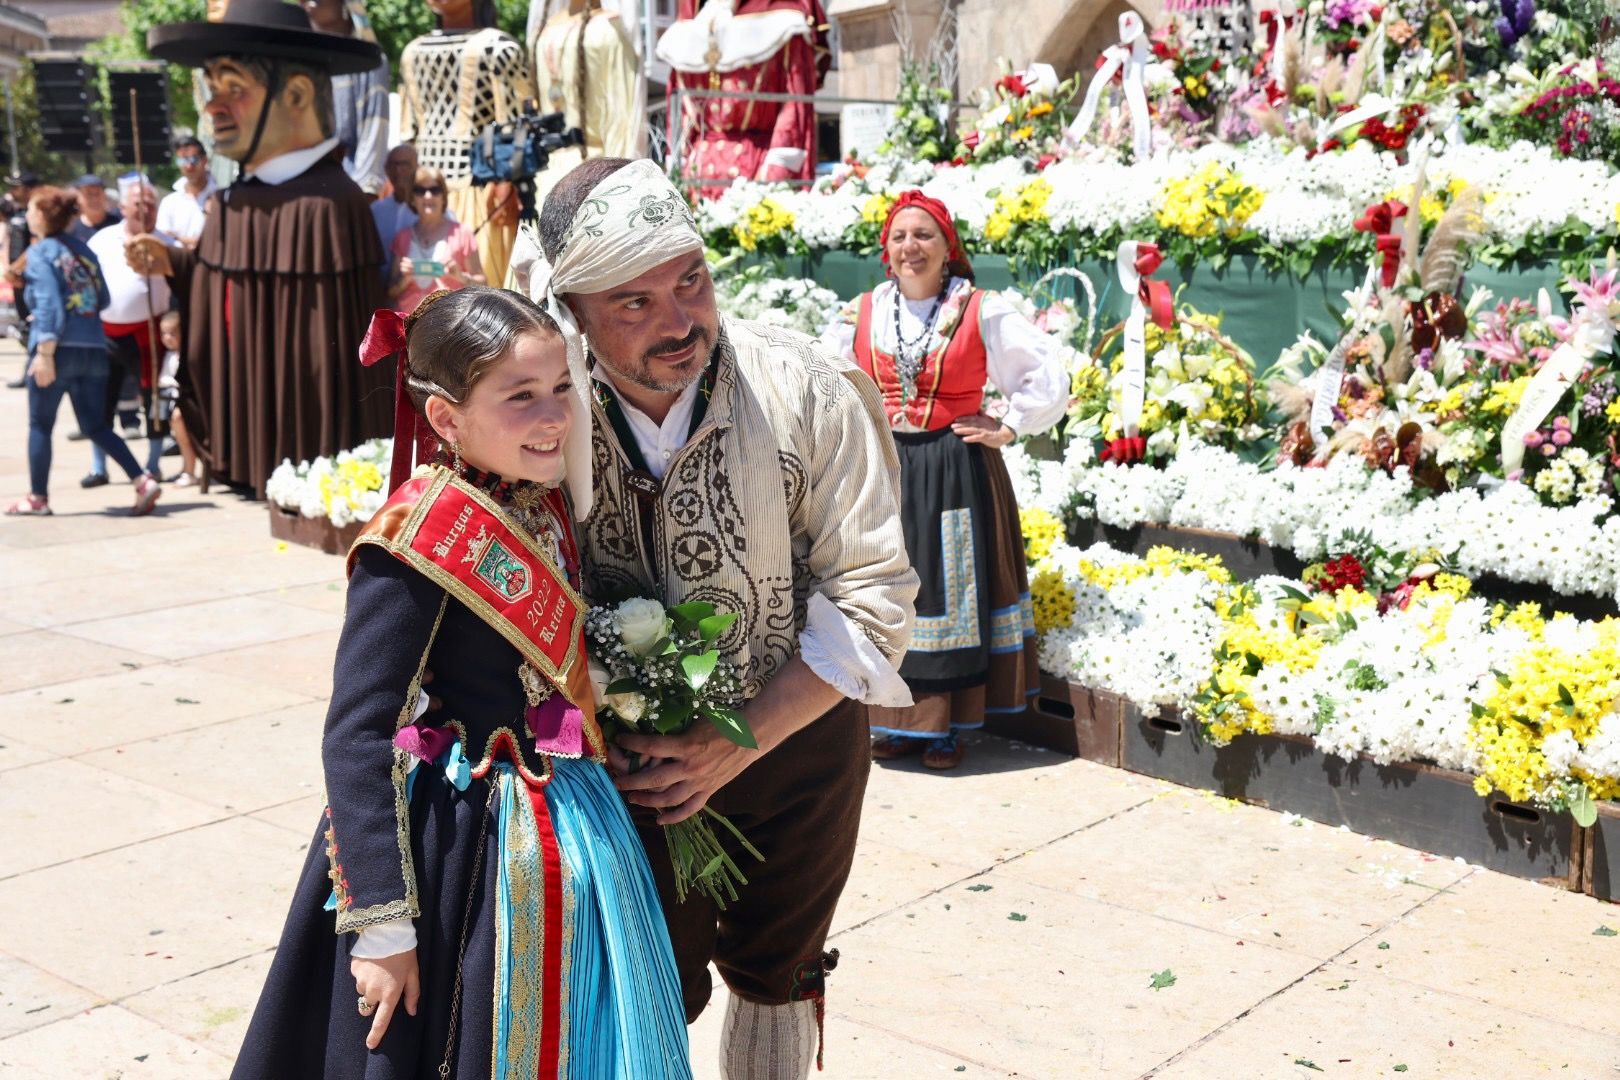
(182, 212)
(130, 318)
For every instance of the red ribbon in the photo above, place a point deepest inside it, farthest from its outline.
(1379, 219)
(1155, 295)
(1125, 450)
(385, 337)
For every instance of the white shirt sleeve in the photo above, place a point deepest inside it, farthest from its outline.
(385, 939)
(840, 335)
(846, 660)
(1025, 365)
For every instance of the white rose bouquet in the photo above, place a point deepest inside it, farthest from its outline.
(656, 672)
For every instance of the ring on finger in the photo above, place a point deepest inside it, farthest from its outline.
(366, 1007)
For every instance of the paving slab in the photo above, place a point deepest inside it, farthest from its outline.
(212, 1007)
(885, 878)
(176, 633)
(324, 595)
(93, 596)
(44, 657)
(301, 665)
(270, 759)
(1279, 880)
(1049, 984)
(186, 903)
(79, 715)
(30, 998)
(1460, 943)
(109, 1043)
(1347, 1022)
(1004, 800)
(56, 811)
(299, 816)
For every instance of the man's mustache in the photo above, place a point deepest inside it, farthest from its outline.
(670, 346)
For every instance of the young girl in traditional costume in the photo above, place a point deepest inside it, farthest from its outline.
(476, 902)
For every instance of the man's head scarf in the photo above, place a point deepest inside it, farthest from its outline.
(956, 261)
(634, 220)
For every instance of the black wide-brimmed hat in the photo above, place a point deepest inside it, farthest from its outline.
(269, 28)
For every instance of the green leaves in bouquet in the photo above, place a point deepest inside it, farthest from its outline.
(730, 723)
(698, 668)
(673, 717)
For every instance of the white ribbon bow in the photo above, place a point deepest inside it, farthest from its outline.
(1131, 54)
(1133, 375)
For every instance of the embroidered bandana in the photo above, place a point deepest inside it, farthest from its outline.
(632, 221)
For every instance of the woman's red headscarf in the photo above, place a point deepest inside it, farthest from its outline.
(956, 261)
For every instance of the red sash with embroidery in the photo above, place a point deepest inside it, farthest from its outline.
(457, 537)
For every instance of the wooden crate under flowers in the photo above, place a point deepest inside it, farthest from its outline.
(313, 532)
(1597, 853)
(1420, 806)
(1069, 718)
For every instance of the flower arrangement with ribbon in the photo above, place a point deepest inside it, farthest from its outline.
(1129, 60)
(1136, 264)
(1379, 220)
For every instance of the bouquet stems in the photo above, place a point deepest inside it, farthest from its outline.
(700, 861)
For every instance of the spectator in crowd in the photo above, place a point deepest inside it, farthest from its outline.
(181, 213)
(168, 401)
(359, 102)
(393, 212)
(19, 188)
(436, 252)
(67, 350)
(130, 319)
(94, 213)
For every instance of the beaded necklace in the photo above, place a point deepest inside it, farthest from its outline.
(909, 367)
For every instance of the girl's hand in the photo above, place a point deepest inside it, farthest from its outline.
(382, 983)
(406, 267)
(43, 370)
(980, 428)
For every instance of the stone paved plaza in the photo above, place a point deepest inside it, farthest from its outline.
(162, 692)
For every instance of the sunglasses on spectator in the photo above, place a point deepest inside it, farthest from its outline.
(429, 189)
(188, 159)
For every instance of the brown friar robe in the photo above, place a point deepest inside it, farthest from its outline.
(279, 292)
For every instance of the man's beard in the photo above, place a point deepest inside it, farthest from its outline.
(642, 374)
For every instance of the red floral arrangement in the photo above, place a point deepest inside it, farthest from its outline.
(1566, 113)
(1345, 572)
(1393, 136)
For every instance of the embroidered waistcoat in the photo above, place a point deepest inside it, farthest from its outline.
(951, 382)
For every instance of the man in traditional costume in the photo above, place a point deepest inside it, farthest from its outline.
(280, 287)
(747, 467)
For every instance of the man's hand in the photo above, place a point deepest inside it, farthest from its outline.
(686, 772)
(148, 255)
(384, 984)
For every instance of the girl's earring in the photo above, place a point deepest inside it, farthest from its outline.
(455, 456)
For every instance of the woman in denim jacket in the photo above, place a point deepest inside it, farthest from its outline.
(67, 349)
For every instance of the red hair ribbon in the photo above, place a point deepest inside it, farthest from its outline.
(1379, 219)
(1155, 295)
(1125, 450)
(941, 214)
(385, 337)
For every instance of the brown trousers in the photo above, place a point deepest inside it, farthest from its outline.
(800, 805)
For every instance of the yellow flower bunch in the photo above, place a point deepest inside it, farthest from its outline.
(1051, 600)
(1041, 531)
(1039, 109)
(1212, 201)
(1547, 690)
(1167, 561)
(1504, 397)
(875, 211)
(348, 481)
(1611, 412)
(1025, 206)
(764, 220)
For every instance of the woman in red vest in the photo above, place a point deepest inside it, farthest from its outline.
(933, 342)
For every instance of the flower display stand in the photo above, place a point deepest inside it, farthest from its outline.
(1598, 854)
(1249, 559)
(313, 532)
(1069, 718)
(1420, 806)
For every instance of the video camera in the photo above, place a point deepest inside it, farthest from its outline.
(520, 149)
